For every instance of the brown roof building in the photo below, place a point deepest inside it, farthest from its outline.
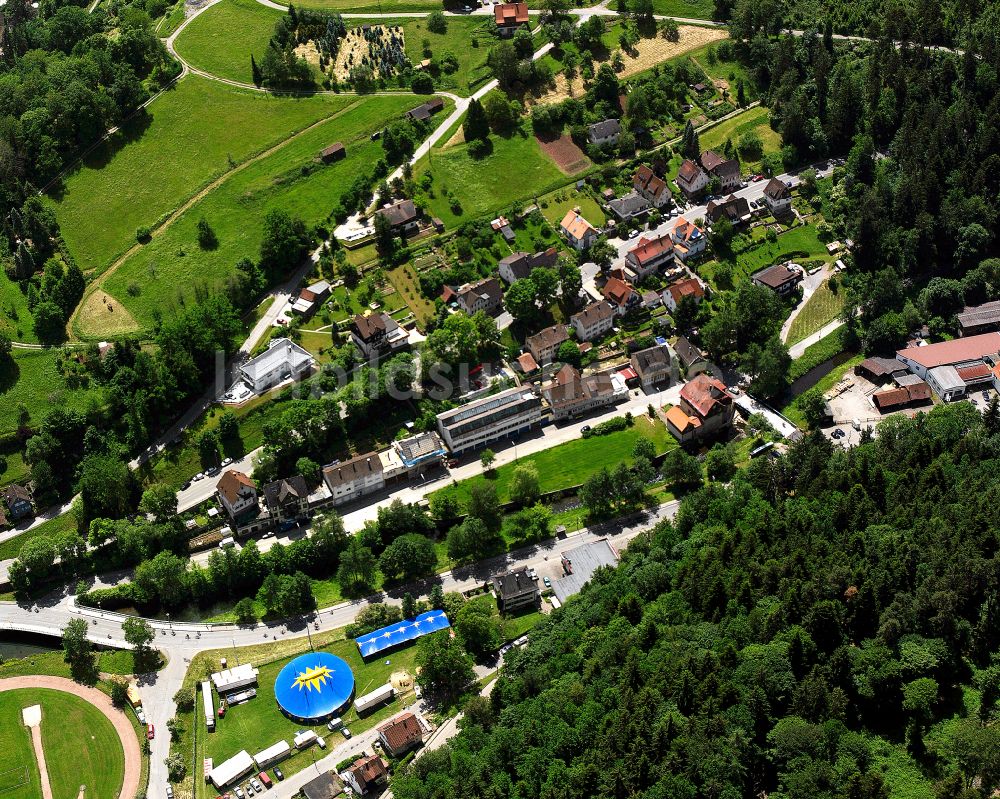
(367, 774)
(544, 345)
(334, 152)
(895, 398)
(402, 215)
(780, 278)
(651, 186)
(571, 395)
(705, 408)
(401, 734)
(976, 319)
(237, 493)
(509, 17)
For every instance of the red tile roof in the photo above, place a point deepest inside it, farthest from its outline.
(686, 288)
(975, 372)
(970, 348)
(511, 13)
(617, 292)
(650, 249)
(401, 732)
(231, 483)
(688, 171)
(704, 393)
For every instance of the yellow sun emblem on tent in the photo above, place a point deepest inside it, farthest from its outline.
(313, 678)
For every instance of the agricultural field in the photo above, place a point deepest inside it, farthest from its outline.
(144, 172)
(466, 188)
(754, 119)
(163, 271)
(221, 39)
(35, 382)
(81, 747)
(822, 307)
(15, 319)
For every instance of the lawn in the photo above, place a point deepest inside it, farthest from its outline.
(147, 170)
(259, 723)
(222, 38)
(163, 272)
(408, 287)
(53, 528)
(555, 205)
(372, 6)
(692, 9)
(799, 242)
(571, 463)
(81, 746)
(15, 319)
(466, 188)
(36, 383)
(753, 119)
(467, 38)
(820, 309)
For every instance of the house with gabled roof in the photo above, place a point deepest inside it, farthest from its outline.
(544, 345)
(509, 17)
(691, 178)
(620, 295)
(727, 170)
(651, 255)
(520, 265)
(689, 240)
(483, 295)
(651, 186)
(287, 499)
(237, 493)
(606, 132)
(367, 774)
(705, 409)
(777, 197)
(570, 395)
(577, 230)
(401, 734)
(675, 293)
(593, 321)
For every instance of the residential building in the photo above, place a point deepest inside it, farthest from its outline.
(778, 197)
(895, 399)
(334, 152)
(705, 409)
(401, 734)
(735, 209)
(651, 186)
(354, 478)
(976, 319)
(520, 265)
(689, 240)
(282, 360)
(325, 786)
(483, 420)
(368, 774)
(484, 295)
(287, 500)
(502, 226)
(652, 365)
(310, 298)
(237, 493)
(691, 179)
(570, 395)
(424, 111)
(782, 279)
(577, 230)
(402, 216)
(509, 17)
(727, 170)
(17, 498)
(620, 295)
(691, 357)
(544, 345)
(378, 334)
(650, 256)
(515, 590)
(419, 451)
(593, 321)
(606, 132)
(676, 292)
(630, 206)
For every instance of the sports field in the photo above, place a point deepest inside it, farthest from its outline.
(193, 133)
(81, 747)
(159, 274)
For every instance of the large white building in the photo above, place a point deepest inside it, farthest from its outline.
(952, 368)
(283, 359)
(489, 418)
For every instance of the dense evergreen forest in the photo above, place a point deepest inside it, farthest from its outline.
(757, 644)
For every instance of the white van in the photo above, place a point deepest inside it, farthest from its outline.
(334, 724)
(227, 542)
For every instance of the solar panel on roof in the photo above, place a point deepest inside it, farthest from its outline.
(401, 632)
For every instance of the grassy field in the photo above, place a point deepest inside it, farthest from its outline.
(407, 286)
(259, 723)
(222, 38)
(516, 170)
(147, 170)
(800, 242)
(692, 9)
(162, 272)
(467, 38)
(555, 205)
(371, 6)
(35, 381)
(15, 319)
(66, 523)
(570, 464)
(753, 119)
(820, 309)
(81, 746)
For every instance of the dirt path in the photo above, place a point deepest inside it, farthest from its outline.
(130, 744)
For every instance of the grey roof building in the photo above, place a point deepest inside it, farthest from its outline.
(515, 589)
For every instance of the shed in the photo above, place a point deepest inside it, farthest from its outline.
(334, 152)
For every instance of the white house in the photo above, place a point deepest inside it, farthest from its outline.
(577, 230)
(283, 359)
(593, 321)
(778, 197)
(689, 240)
(691, 178)
(650, 256)
(676, 292)
(237, 493)
(354, 478)
(606, 132)
(651, 186)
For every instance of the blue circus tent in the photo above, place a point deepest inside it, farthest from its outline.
(314, 686)
(401, 632)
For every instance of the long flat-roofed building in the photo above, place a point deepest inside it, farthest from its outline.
(489, 418)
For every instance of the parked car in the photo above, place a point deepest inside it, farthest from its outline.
(186, 485)
(532, 574)
(150, 732)
(585, 428)
(239, 792)
(279, 773)
(334, 724)
(249, 789)
(345, 732)
(417, 692)
(265, 780)
(256, 784)
(547, 581)
(170, 792)
(227, 461)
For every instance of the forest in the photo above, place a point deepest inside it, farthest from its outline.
(763, 641)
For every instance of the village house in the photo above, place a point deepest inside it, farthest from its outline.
(691, 357)
(484, 295)
(18, 501)
(354, 478)
(727, 170)
(705, 410)
(777, 197)
(630, 206)
(311, 298)
(735, 209)
(520, 265)
(502, 226)
(689, 240)
(593, 321)
(895, 399)
(282, 360)
(424, 111)
(880, 370)
(544, 345)
(378, 334)
(782, 279)
(237, 493)
(691, 179)
(288, 499)
(515, 589)
(652, 365)
(577, 230)
(650, 256)
(676, 292)
(620, 295)
(509, 17)
(366, 775)
(570, 395)
(651, 186)
(401, 734)
(402, 216)
(606, 132)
